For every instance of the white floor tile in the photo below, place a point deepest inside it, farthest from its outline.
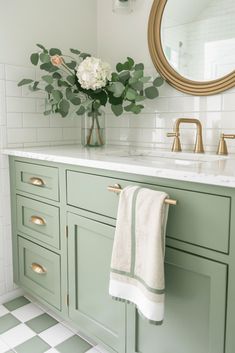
(27, 312)
(17, 335)
(3, 347)
(3, 310)
(52, 350)
(56, 334)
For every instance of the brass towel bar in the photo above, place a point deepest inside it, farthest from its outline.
(117, 189)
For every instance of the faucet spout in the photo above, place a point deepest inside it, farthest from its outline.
(198, 148)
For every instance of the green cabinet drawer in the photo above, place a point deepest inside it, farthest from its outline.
(37, 180)
(38, 220)
(199, 218)
(39, 272)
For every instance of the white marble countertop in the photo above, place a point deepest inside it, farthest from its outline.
(204, 169)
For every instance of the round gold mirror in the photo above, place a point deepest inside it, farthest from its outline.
(192, 44)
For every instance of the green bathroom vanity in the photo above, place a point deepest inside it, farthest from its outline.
(63, 220)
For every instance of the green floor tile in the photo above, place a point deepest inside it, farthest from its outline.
(16, 303)
(34, 345)
(72, 345)
(41, 323)
(7, 322)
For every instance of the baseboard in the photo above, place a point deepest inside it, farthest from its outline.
(11, 295)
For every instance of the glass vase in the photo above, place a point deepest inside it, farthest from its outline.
(93, 129)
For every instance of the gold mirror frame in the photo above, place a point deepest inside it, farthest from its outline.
(164, 68)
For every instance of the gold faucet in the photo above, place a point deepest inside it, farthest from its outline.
(222, 148)
(176, 147)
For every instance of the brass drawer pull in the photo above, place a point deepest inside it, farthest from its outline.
(37, 181)
(39, 221)
(40, 270)
(116, 188)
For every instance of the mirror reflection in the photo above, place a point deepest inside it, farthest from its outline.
(198, 38)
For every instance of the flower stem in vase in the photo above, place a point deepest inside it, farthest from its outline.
(91, 131)
(99, 130)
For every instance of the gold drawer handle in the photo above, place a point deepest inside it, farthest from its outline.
(40, 270)
(37, 181)
(116, 188)
(39, 221)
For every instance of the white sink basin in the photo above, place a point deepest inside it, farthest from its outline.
(157, 157)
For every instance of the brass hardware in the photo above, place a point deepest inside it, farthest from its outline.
(117, 189)
(40, 270)
(39, 221)
(176, 147)
(37, 181)
(167, 71)
(222, 148)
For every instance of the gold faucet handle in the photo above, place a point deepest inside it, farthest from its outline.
(222, 148)
(176, 147)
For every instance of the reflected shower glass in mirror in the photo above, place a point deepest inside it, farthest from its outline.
(198, 38)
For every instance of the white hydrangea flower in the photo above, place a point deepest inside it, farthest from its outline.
(93, 73)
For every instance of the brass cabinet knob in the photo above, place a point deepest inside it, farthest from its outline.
(39, 269)
(36, 181)
(222, 148)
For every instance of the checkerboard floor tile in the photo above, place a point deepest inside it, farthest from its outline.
(26, 328)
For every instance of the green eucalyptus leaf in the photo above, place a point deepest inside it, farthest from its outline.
(25, 81)
(71, 79)
(115, 77)
(55, 51)
(48, 67)
(34, 58)
(158, 82)
(96, 105)
(138, 86)
(128, 108)
(49, 88)
(151, 92)
(35, 86)
(117, 109)
(117, 88)
(139, 67)
(42, 47)
(133, 80)
(124, 76)
(75, 100)
(62, 83)
(140, 98)
(130, 62)
(47, 79)
(84, 55)
(64, 107)
(138, 74)
(145, 79)
(114, 100)
(75, 51)
(119, 67)
(45, 58)
(57, 95)
(81, 110)
(71, 65)
(56, 75)
(131, 94)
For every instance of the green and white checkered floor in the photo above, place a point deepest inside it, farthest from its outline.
(26, 328)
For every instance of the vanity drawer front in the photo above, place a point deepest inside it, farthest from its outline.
(37, 180)
(200, 219)
(38, 220)
(39, 271)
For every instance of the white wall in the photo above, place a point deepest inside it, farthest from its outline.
(126, 35)
(24, 23)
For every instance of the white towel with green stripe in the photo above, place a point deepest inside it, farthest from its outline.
(137, 265)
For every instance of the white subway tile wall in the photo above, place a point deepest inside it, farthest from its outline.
(22, 124)
(149, 129)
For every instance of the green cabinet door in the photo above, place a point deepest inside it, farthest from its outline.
(194, 309)
(90, 306)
